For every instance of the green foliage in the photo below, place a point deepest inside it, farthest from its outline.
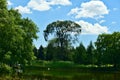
(108, 48)
(63, 38)
(62, 31)
(41, 54)
(16, 37)
(3, 4)
(90, 52)
(35, 50)
(80, 54)
(54, 52)
(50, 52)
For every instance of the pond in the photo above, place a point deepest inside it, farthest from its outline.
(70, 74)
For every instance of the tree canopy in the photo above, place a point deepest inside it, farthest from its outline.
(64, 31)
(108, 48)
(16, 37)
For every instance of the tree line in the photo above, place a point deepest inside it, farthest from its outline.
(106, 50)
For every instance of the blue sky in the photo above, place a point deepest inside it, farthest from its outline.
(95, 16)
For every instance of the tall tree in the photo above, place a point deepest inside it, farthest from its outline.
(65, 32)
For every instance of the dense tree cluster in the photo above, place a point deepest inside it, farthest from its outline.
(16, 37)
(106, 50)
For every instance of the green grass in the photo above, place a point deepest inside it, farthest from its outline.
(38, 64)
(62, 67)
(66, 70)
(63, 70)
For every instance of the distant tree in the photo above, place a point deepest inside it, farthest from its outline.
(80, 54)
(41, 54)
(71, 52)
(57, 55)
(65, 32)
(50, 50)
(90, 54)
(53, 50)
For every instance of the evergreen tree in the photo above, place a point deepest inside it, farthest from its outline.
(80, 54)
(50, 52)
(90, 54)
(41, 53)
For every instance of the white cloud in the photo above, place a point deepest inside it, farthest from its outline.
(58, 7)
(115, 9)
(113, 22)
(102, 21)
(23, 10)
(94, 29)
(9, 3)
(60, 2)
(42, 5)
(92, 9)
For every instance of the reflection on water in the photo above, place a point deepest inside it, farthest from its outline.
(73, 75)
